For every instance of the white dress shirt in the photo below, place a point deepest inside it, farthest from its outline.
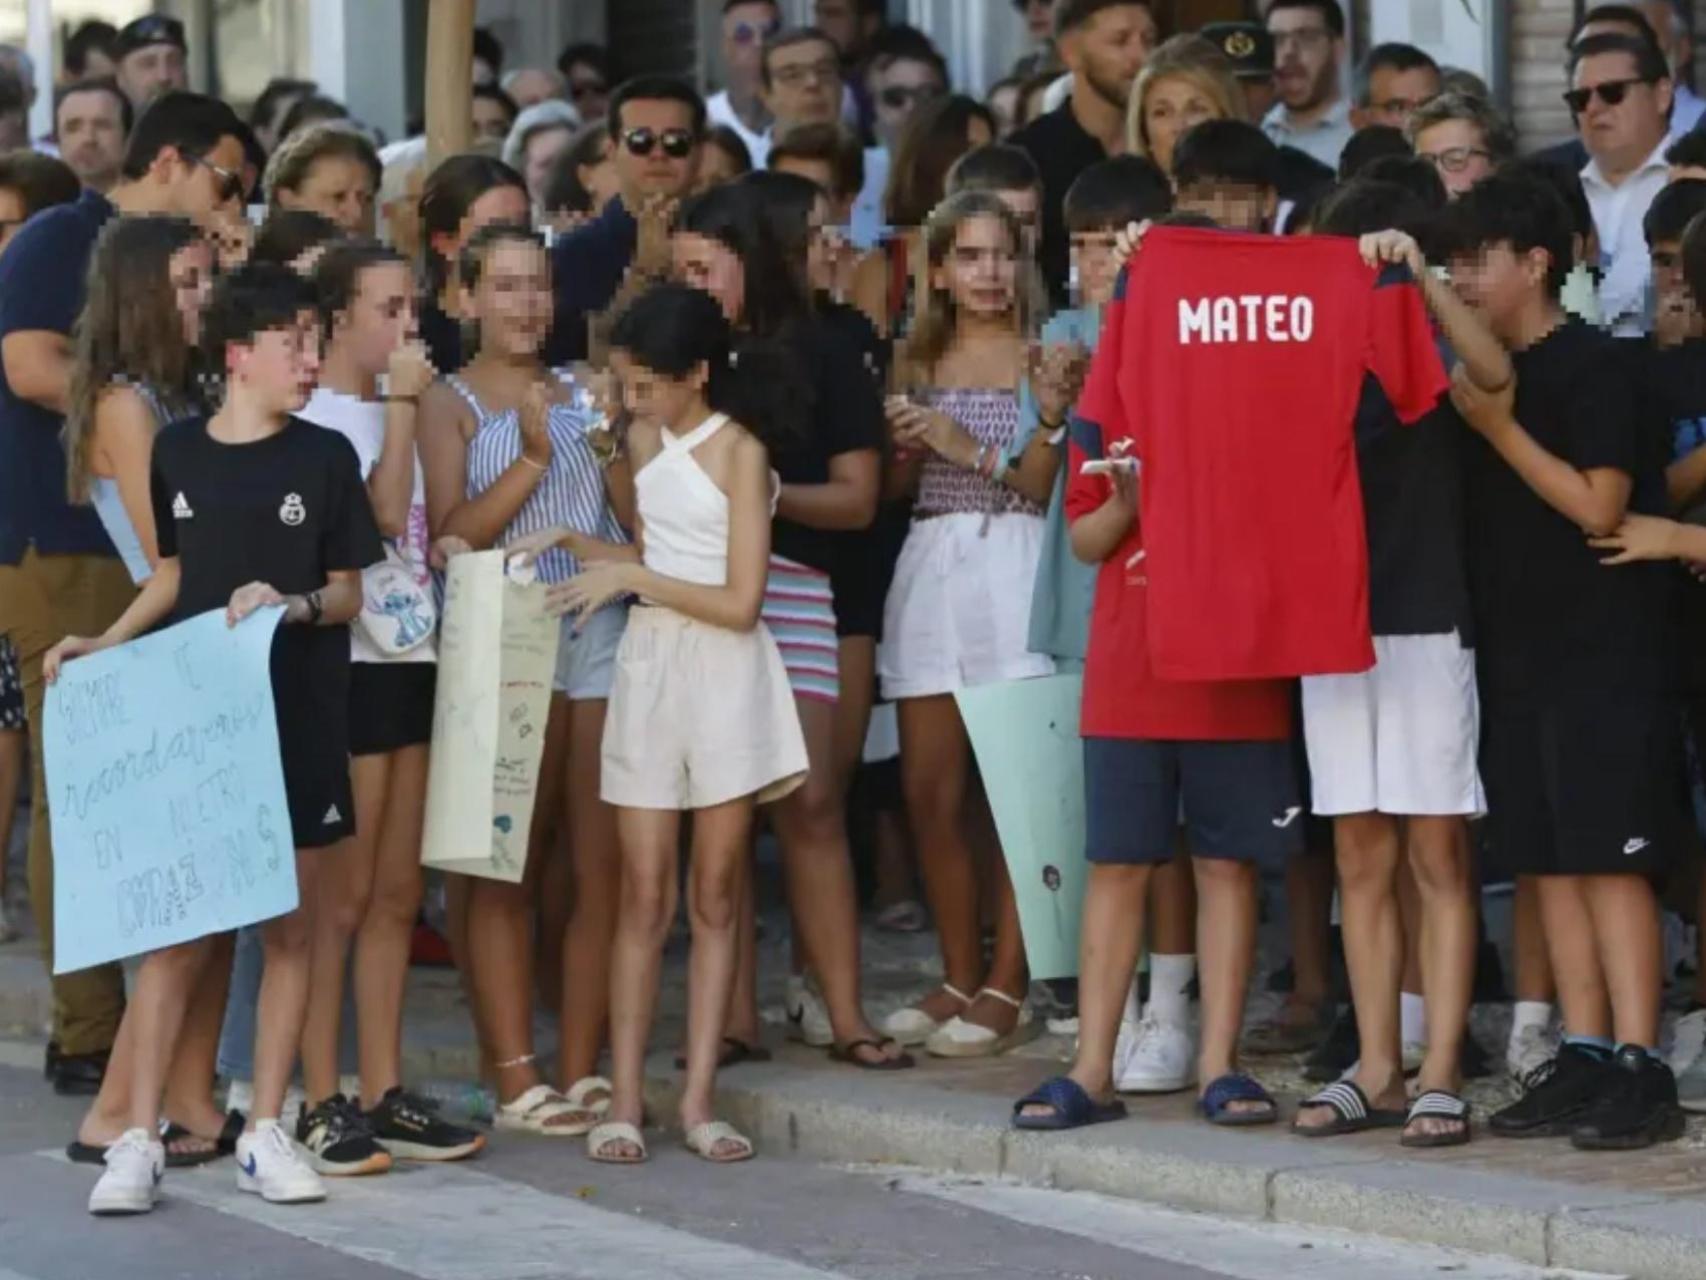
(719, 110)
(1618, 211)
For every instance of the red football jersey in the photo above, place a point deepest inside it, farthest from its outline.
(1234, 362)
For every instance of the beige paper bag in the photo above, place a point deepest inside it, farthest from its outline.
(497, 653)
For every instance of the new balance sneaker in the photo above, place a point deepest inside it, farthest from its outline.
(1559, 1097)
(131, 1183)
(410, 1128)
(808, 1015)
(270, 1166)
(1636, 1109)
(1163, 1059)
(338, 1140)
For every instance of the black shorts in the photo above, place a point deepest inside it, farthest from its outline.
(1237, 801)
(390, 705)
(864, 572)
(1585, 783)
(310, 684)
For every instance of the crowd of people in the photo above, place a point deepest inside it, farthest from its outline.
(842, 389)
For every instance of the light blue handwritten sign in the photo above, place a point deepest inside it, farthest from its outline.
(1025, 735)
(166, 791)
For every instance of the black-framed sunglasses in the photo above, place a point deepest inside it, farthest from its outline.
(677, 143)
(230, 180)
(1455, 159)
(1611, 93)
(899, 97)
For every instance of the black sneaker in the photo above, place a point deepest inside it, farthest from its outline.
(1337, 1053)
(1560, 1095)
(338, 1140)
(412, 1129)
(1638, 1107)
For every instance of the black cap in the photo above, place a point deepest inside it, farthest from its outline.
(1247, 46)
(149, 30)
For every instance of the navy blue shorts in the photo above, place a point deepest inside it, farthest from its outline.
(1236, 800)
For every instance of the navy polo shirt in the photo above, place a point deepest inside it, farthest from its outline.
(587, 266)
(42, 288)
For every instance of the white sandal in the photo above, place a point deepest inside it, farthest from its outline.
(577, 1095)
(702, 1141)
(607, 1135)
(540, 1110)
(957, 1038)
(911, 1026)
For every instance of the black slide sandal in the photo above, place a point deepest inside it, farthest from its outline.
(848, 1054)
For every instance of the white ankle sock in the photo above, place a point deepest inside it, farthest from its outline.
(1133, 1005)
(1412, 1018)
(1529, 1013)
(1169, 985)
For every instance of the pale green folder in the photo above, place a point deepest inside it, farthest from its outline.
(1025, 736)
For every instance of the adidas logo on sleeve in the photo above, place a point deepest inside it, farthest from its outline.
(181, 507)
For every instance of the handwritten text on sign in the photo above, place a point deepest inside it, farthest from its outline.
(166, 792)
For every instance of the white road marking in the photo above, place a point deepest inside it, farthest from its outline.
(457, 1224)
(1237, 1250)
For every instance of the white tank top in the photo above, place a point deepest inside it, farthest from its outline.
(684, 514)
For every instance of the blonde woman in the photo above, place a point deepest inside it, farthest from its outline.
(1186, 81)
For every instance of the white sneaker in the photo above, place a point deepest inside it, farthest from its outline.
(1529, 1050)
(1163, 1059)
(1125, 1044)
(1688, 1040)
(808, 1016)
(131, 1184)
(269, 1165)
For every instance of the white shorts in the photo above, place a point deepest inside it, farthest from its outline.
(1401, 738)
(959, 612)
(698, 716)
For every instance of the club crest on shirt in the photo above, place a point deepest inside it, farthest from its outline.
(292, 512)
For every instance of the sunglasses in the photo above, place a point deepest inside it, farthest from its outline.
(677, 143)
(1611, 93)
(752, 33)
(900, 97)
(230, 181)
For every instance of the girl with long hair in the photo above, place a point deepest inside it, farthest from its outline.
(701, 715)
(507, 454)
(954, 617)
(131, 373)
(463, 194)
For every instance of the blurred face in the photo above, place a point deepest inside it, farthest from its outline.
(533, 86)
(200, 187)
(1499, 283)
(512, 299)
(1623, 132)
(656, 151)
(278, 367)
(745, 29)
(1676, 318)
(588, 91)
(1306, 56)
(492, 121)
(980, 269)
(1173, 105)
(898, 90)
(840, 21)
(1004, 105)
(12, 214)
(1110, 49)
(1230, 205)
(380, 318)
(336, 187)
(822, 242)
(147, 73)
(657, 399)
(1457, 149)
(1393, 96)
(712, 267)
(190, 271)
(805, 84)
(543, 148)
(1039, 18)
(716, 167)
(1097, 263)
(1027, 206)
(89, 128)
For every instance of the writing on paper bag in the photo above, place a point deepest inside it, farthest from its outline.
(166, 791)
(497, 654)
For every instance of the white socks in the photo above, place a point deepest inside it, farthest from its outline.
(1529, 1013)
(1169, 987)
(1133, 1006)
(1412, 1018)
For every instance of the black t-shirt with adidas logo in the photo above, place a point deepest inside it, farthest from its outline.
(289, 511)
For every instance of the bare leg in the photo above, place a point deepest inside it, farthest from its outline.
(1309, 901)
(155, 1013)
(288, 943)
(382, 944)
(555, 877)
(345, 887)
(1630, 945)
(1533, 962)
(596, 858)
(1442, 861)
(1568, 928)
(935, 761)
(1173, 906)
(1226, 944)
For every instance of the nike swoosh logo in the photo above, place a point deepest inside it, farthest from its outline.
(250, 1167)
(1289, 817)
